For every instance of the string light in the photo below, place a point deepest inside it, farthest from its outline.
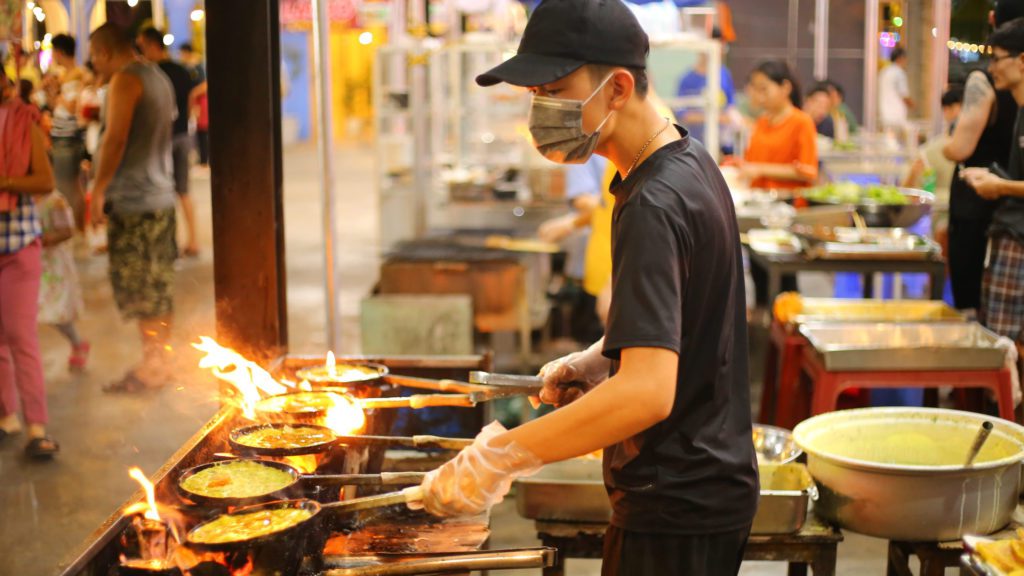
(168, 39)
(197, 15)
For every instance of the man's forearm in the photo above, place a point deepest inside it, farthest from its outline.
(612, 412)
(783, 172)
(1012, 188)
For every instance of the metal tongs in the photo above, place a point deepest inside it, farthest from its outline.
(526, 384)
(463, 393)
(517, 385)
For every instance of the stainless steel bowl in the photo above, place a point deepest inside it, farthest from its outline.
(897, 473)
(774, 445)
(892, 215)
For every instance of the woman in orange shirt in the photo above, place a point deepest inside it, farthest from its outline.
(783, 150)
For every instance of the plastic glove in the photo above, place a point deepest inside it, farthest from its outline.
(479, 477)
(572, 376)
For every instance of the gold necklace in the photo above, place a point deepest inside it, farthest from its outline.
(644, 149)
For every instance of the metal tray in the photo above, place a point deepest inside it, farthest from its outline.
(573, 491)
(843, 251)
(857, 310)
(786, 494)
(907, 346)
(768, 241)
(569, 491)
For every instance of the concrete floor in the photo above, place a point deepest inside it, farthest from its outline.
(47, 509)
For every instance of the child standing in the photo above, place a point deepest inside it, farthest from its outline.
(60, 295)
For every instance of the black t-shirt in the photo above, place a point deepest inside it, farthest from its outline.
(677, 283)
(993, 146)
(1009, 216)
(181, 79)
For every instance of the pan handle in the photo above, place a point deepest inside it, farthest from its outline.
(411, 497)
(422, 441)
(456, 563)
(419, 401)
(443, 385)
(382, 479)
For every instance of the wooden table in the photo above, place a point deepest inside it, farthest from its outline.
(935, 557)
(815, 545)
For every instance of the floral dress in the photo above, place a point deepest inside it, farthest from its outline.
(60, 294)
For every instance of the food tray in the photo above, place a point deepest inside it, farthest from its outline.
(857, 346)
(773, 241)
(573, 491)
(876, 244)
(786, 494)
(857, 310)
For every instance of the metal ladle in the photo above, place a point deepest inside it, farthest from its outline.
(979, 441)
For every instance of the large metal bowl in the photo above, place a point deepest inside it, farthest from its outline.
(898, 474)
(774, 445)
(892, 215)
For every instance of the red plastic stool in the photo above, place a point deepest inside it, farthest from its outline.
(828, 385)
(780, 395)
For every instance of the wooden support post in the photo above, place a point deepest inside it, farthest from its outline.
(243, 62)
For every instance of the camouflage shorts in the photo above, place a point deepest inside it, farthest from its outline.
(142, 253)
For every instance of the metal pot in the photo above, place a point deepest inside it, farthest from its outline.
(898, 473)
(892, 215)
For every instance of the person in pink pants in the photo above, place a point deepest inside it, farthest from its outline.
(24, 172)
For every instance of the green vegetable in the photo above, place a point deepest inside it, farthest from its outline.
(850, 193)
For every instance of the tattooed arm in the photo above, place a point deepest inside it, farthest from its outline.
(979, 100)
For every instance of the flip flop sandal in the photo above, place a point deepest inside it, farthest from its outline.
(42, 448)
(129, 384)
(4, 434)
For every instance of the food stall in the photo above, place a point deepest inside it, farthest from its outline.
(316, 450)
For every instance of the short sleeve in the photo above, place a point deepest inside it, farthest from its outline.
(649, 278)
(807, 147)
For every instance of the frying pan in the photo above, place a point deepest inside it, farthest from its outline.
(274, 408)
(344, 510)
(317, 448)
(297, 480)
(319, 376)
(427, 442)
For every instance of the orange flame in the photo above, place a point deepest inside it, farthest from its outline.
(344, 417)
(150, 505)
(244, 375)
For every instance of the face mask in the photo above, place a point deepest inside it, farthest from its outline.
(557, 128)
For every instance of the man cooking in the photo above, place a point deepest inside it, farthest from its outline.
(665, 393)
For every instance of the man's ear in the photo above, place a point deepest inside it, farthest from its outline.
(623, 87)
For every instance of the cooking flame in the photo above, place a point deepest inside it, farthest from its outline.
(331, 364)
(344, 417)
(150, 505)
(244, 375)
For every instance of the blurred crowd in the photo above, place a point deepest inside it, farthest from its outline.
(95, 161)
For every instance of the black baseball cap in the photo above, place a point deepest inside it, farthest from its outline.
(563, 35)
